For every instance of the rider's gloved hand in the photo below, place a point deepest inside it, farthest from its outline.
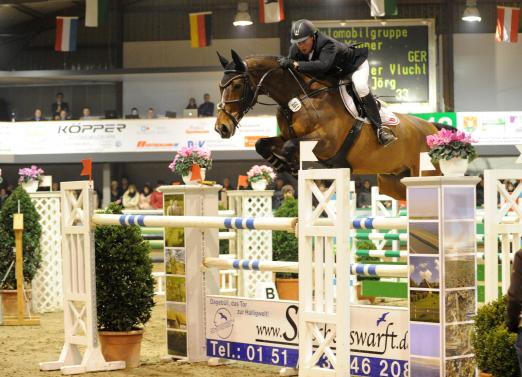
(286, 62)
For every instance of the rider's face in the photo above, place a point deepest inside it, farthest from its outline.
(305, 47)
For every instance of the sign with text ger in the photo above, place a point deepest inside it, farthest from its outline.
(267, 332)
(401, 56)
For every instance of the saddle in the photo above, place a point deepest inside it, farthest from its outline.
(353, 104)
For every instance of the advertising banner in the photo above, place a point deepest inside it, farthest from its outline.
(129, 135)
(266, 332)
(492, 128)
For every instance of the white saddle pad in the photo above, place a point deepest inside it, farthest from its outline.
(387, 116)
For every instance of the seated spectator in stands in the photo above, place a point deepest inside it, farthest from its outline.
(115, 192)
(55, 186)
(124, 183)
(223, 197)
(59, 105)
(192, 104)
(206, 109)
(288, 192)
(3, 195)
(480, 191)
(86, 113)
(156, 198)
(364, 196)
(38, 115)
(145, 197)
(151, 113)
(134, 114)
(64, 115)
(131, 197)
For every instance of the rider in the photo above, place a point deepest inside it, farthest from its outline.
(316, 53)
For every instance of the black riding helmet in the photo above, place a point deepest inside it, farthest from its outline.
(301, 30)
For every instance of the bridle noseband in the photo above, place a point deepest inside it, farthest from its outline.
(249, 97)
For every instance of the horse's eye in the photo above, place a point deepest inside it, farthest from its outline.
(236, 86)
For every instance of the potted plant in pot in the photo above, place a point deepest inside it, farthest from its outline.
(260, 176)
(29, 178)
(286, 249)
(494, 345)
(186, 158)
(124, 288)
(19, 199)
(453, 150)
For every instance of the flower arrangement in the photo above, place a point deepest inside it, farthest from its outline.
(447, 144)
(259, 172)
(188, 156)
(34, 173)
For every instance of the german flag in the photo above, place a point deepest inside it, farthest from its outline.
(200, 29)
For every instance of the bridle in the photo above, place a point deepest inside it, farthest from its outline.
(249, 96)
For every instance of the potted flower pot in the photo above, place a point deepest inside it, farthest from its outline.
(287, 288)
(30, 186)
(187, 179)
(455, 167)
(124, 289)
(259, 185)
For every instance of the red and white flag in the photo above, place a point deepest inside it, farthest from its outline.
(271, 11)
(507, 24)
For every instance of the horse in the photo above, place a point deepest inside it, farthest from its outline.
(312, 109)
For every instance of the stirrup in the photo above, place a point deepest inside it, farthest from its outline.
(385, 136)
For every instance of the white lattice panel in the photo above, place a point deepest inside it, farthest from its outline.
(252, 244)
(47, 284)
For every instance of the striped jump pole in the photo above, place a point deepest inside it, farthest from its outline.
(380, 223)
(227, 235)
(382, 236)
(382, 253)
(273, 223)
(381, 270)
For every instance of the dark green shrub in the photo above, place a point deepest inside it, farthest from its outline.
(31, 238)
(285, 245)
(124, 283)
(493, 343)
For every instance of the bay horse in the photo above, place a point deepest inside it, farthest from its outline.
(314, 110)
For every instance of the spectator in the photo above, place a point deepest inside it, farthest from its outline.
(277, 198)
(206, 109)
(288, 192)
(124, 183)
(364, 197)
(38, 115)
(55, 186)
(156, 198)
(322, 186)
(64, 115)
(151, 113)
(192, 103)
(115, 192)
(514, 307)
(134, 114)
(145, 197)
(59, 105)
(86, 113)
(480, 191)
(131, 198)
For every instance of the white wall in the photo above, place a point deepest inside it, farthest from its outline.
(488, 74)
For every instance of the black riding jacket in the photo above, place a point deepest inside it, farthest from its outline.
(329, 58)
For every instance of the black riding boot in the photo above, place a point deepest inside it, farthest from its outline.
(384, 134)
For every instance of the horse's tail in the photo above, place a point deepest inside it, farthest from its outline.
(441, 126)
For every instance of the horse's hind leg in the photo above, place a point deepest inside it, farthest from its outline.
(391, 185)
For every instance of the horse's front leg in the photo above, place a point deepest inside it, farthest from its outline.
(271, 149)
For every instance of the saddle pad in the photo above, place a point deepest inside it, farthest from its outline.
(387, 116)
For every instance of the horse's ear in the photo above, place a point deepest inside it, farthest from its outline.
(222, 60)
(239, 63)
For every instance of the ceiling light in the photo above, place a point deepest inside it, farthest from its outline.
(242, 16)
(471, 13)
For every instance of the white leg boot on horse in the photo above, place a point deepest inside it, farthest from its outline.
(384, 133)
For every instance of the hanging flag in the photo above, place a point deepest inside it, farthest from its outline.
(381, 8)
(87, 168)
(66, 31)
(271, 11)
(96, 12)
(200, 29)
(507, 24)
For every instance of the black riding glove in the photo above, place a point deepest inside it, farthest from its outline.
(286, 62)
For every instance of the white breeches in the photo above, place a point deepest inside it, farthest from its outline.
(360, 79)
